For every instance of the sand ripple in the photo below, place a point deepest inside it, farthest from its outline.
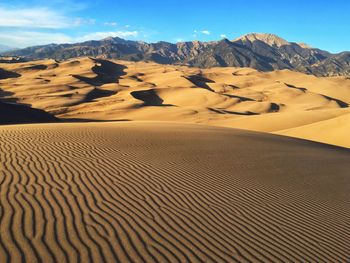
(145, 192)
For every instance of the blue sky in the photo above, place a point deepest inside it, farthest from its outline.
(322, 24)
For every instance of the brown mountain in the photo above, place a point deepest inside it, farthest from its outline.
(265, 52)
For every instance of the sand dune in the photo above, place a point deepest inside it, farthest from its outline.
(98, 89)
(326, 131)
(161, 192)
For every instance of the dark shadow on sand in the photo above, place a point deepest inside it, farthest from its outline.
(106, 71)
(149, 98)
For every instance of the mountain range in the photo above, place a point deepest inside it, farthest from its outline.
(4, 48)
(264, 52)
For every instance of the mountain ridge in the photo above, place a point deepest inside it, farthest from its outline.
(264, 52)
(5, 48)
(270, 39)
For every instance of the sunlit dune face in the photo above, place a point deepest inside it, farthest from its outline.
(100, 89)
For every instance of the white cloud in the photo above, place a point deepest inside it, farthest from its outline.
(35, 17)
(81, 21)
(27, 38)
(205, 32)
(223, 36)
(101, 35)
(24, 27)
(22, 39)
(50, 23)
(197, 33)
(110, 24)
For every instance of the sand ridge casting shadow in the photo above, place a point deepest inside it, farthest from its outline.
(149, 98)
(106, 71)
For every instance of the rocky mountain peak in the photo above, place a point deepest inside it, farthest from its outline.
(304, 45)
(270, 39)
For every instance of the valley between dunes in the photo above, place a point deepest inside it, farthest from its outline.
(281, 102)
(167, 192)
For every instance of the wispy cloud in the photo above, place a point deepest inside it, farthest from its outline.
(110, 24)
(83, 21)
(223, 36)
(64, 6)
(36, 17)
(196, 33)
(205, 32)
(101, 35)
(45, 24)
(31, 38)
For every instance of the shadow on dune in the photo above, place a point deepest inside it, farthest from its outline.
(106, 71)
(137, 77)
(35, 67)
(231, 86)
(97, 93)
(5, 93)
(274, 107)
(238, 97)
(341, 103)
(13, 113)
(200, 81)
(4, 74)
(7, 97)
(222, 111)
(93, 120)
(295, 87)
(149, 98)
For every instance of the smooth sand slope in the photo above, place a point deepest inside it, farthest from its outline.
(326, 131)
(161, 192)
(99, 89)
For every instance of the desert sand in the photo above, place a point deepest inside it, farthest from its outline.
(170, 192)
(281, 102)
(160, 173)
